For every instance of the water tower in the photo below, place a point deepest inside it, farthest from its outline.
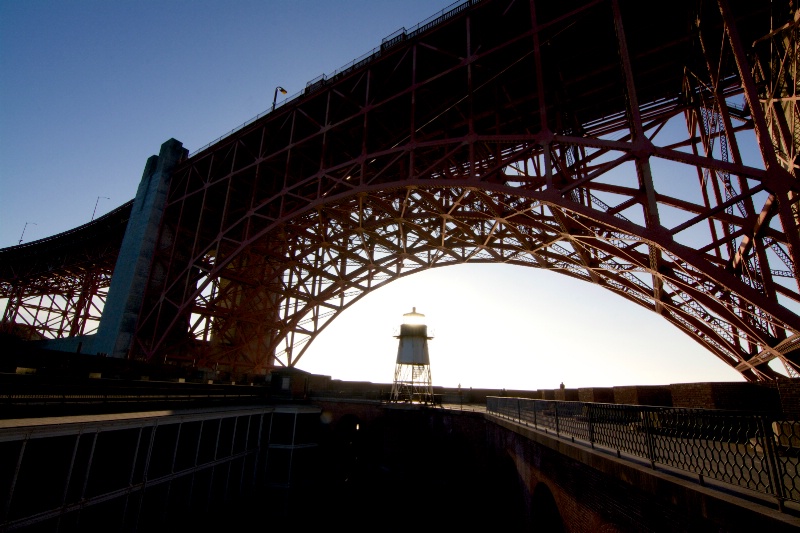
(412, 373)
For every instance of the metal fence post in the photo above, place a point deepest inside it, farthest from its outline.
(555, 404)
(771, 458)
(649, 438)
(14, 479)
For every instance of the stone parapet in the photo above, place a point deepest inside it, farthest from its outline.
(659, 395)
(596, 394)
(788, 391)
(736, 396)
(568, 395)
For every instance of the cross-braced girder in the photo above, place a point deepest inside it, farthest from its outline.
(581, 139)
(57, 287)
(69, 309)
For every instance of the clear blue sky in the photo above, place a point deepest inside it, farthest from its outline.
(91, 88)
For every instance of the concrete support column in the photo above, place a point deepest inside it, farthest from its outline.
(128, 283)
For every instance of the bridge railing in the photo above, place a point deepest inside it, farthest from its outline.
(392, 39)
(758, 452)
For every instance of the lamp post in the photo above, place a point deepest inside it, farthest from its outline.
(95, 204)
(23, 230)
(275, 96)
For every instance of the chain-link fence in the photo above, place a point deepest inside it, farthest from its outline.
(754, 451)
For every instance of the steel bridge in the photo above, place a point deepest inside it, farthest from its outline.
(655, 157)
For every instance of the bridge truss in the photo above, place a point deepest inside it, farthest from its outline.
(57, 287)
(581, 137)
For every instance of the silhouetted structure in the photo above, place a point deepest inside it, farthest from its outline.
(584, 137)
(412, 373)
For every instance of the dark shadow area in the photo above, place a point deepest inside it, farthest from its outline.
(545, 517)
(399, 472)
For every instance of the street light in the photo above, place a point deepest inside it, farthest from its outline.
(96, 202)
(23, 230)
(275, 96)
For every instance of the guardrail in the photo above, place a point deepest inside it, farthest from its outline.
(753, 451)
(138, 473)
(22, 399)
(392, 39)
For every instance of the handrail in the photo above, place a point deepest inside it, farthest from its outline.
(393, 38)
(97, 222)
(753, 451)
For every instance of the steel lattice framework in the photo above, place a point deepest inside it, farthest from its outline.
(57, 287)
(578, 136)
(532, 133)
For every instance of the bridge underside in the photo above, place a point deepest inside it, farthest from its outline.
(654, 158)
(57, 287)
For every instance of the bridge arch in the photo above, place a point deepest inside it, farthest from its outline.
(544, 510)
(520, 132)
(334, 253)
(501, 326)
(457, 145)
(509, 498)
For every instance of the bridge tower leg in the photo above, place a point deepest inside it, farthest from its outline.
(132, 270)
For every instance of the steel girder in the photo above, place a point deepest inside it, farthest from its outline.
(541, 134)
(777, 78)
(56, 287)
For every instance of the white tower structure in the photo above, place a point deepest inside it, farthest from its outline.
(412, 373)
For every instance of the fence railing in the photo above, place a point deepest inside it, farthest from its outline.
(392, 39)
(749, 450)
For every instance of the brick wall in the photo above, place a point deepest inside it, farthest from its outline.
(643, 395)
(692, 395)
(737, 396)
(547, 394)
(535, 394)
(596, 394)
(569, 395)
(788, 391)
(595, 492)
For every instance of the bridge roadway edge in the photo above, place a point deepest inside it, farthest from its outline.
(650, 500)
(726, 510)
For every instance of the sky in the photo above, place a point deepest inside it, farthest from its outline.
(91, 88)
